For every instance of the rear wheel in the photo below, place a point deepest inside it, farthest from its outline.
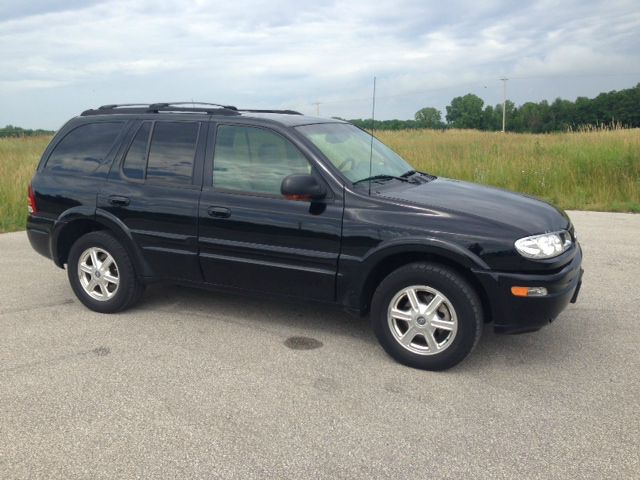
(426, 316)
(101, 273)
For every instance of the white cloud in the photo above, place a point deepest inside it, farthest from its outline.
(283, 53)
(570, 60)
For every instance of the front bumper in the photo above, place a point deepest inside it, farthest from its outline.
(511, 314)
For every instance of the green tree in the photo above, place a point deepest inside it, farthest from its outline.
(489, 119)
(561, 115)
(531, 118)
(585, 112)
(465, 112)
(511, 119)
(429, 117)
(621, 107)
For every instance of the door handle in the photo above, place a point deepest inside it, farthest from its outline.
(118, 200)
(219, 212)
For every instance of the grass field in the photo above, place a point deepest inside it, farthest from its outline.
(18, 160)
(597, 170)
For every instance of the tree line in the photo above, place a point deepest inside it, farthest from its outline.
(620, 108)
(11, 131)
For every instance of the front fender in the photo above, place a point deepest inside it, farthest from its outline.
(357, 276)
(427, 245)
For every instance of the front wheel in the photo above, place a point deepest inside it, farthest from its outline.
(427, 316)
(101, 273)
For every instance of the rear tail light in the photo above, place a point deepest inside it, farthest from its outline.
(31, 201)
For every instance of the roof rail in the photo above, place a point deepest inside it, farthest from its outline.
(192, 107)
(120, 105)
(198, 107)
(166, 104)
(285, 112)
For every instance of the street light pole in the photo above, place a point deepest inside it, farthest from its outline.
(504, 103)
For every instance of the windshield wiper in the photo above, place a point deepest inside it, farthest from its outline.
(380, 177)
(423, 177)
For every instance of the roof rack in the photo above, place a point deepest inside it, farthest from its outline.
(196, 107)
(284, 112)
(169, 104)
(110, 107)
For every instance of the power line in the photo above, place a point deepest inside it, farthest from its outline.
(481, 82)
(577, 75)
(407, 94)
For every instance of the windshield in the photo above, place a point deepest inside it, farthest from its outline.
(349, 149)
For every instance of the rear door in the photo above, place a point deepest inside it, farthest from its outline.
(251, 237)
(152, 189)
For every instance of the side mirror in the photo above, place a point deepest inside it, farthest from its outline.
(302, 186)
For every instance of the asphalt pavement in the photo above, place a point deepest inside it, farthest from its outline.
(194, 384)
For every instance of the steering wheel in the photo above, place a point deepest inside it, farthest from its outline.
(349, 161)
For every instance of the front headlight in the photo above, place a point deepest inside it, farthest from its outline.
(547, 245)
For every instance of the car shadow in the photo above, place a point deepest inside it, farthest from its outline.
(292, 317)
(260, 311)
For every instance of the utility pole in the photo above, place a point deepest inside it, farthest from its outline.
(317, 104)
(504, 103)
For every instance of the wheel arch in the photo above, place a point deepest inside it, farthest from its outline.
(392, 258)
(76, 222)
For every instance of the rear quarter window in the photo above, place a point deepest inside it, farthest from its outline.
(84, 148)
(135, 162)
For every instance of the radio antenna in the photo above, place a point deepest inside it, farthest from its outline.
(373, 126)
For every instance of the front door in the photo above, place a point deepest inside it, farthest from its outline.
(251, 237)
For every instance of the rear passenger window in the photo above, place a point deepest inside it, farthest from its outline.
(83, 149)
(135, 162)
(173, 148)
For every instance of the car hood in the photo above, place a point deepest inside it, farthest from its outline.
(525, 214)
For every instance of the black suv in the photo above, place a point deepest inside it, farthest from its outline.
(285, 204)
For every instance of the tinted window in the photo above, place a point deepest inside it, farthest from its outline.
(254, 160)
(136, 160)
(353, 151)
(173, 147)
(83, 149)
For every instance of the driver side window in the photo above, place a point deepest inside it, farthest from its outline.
(254, 160)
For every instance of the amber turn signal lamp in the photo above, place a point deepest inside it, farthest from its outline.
(520, 291)
(528, 291)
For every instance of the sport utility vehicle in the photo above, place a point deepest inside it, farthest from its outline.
(285, 204)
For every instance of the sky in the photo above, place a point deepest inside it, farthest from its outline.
(59, 58)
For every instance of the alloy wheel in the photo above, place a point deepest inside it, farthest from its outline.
(422, 320)
(98, 273)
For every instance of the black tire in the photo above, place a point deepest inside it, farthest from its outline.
(129, 289)
(458, 292)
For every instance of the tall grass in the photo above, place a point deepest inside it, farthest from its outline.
(18, 160)
(585, 170)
